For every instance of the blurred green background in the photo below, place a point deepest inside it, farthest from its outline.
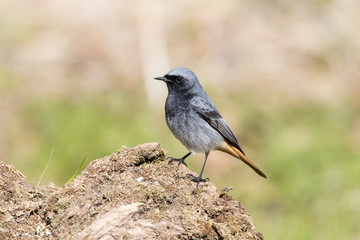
(77, 76)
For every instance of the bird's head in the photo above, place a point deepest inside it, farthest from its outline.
(179, 79)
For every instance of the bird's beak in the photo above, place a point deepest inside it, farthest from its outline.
(162, 79)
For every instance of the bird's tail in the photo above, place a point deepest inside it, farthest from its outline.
(228, 148)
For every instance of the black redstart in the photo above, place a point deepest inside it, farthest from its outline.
(194, 120)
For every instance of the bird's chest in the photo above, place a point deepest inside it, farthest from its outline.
(178, 112)
(187, 126)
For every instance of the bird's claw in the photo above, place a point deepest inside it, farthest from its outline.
(197, 179)
(179, 160)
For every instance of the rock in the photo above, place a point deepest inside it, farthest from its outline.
(132, 194)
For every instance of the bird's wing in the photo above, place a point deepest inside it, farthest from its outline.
(210, 114)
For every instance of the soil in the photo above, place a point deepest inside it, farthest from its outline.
(131, 194)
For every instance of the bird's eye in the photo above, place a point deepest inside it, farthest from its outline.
(178, 79)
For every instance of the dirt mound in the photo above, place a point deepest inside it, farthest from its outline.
(132, 194)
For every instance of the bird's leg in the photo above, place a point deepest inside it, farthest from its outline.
(199, 179)
(180, 160)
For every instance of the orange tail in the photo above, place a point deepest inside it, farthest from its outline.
(226, 147)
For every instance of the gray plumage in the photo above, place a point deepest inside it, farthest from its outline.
(191, 115)
(194, 120)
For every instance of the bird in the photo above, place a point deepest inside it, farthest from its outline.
(195, 121)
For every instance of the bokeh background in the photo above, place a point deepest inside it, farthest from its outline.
(78, 76)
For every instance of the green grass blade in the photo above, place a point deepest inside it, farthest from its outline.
(82, 162)
(46, 167)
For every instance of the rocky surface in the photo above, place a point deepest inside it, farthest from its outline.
(131, 194)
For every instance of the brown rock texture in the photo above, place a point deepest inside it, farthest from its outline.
(131, 194)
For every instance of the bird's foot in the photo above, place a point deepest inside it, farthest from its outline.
(179, 160)
(197, 179)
